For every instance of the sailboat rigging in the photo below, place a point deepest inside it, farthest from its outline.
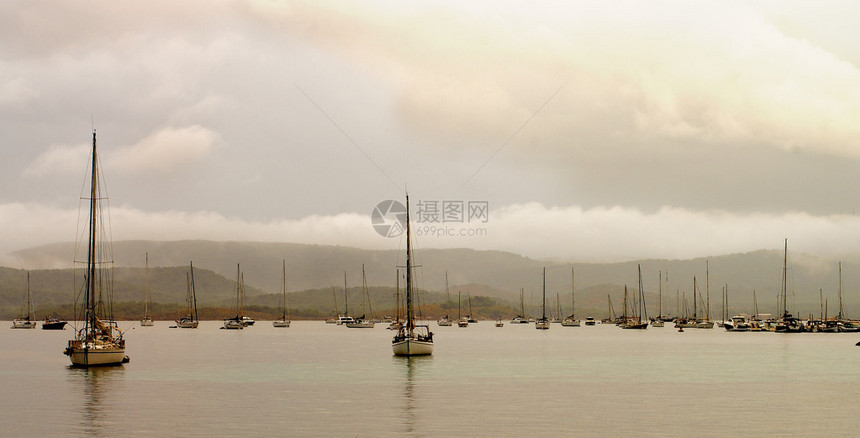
(28, 320)
(146, 321)
(445, 321)
(285, 318)
(543, 322)
(99, 341)
(412, 339)
(571, 320)
(190, 320)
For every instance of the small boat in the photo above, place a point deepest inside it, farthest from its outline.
(363, 321)
(146, 321)
(237, 322)
(571, 320)
(788, 323)
(99, 342)
(462, 321)
(190, 320)
(543, 322)
(589, 320)
(28, 320)
(737, 323)
(659, 320)
(412, 339)
(469, 317)
(444, 321)
(285, 318)
(343, 320)
(640, 321)
(499, 323)
(53, 323)
(521, 318)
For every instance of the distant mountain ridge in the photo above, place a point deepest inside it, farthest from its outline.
(496, 274)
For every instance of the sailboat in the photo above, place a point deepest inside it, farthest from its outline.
(191, 320)
(639, 321)
(146, 321)
(472, 319)
(412, 339)
(345, 318)
(27, 321)
(98, 342)
(362, 321)
(788, 323)
(543, 322)
(237, 322)
(556, 319)
(333, 319)
(658, 321)
(521, 318)
(445, 321)
(285, 318)
(462, 321)
(397, 323)
(571, 320)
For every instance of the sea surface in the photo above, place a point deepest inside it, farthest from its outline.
(315, 379)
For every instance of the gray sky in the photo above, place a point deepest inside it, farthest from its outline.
(593, 130)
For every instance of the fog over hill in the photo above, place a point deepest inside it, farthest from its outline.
(490, 273)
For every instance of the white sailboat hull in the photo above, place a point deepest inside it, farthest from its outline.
(232, 324)
(281, 323)
(187, 324)
(146, 322)
(23, 324)
(542, 325)
(412, 347)
(359, 324)
(570, 323)
(95, 353)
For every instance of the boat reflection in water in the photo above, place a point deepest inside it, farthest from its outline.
(96, 383)
(413, 365)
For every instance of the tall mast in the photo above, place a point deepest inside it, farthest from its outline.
(784, 280)
(660, 292)
(397, 294)
(695, 310)
(90, 296)
(345, 296)
(410, 322)
(572, 296)
(146, 288)
(193, 291)
(840, 292)
(447, 292)
(643, 314)
(284, 270)
(708, 291)
(543, 307)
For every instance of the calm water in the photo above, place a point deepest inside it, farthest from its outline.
(315, 379)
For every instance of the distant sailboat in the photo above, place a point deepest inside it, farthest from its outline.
(190, 320)
(146, 321)
(412, 339)
(787, 323)
(543, 322)
(521, 318)
(462, 321)
(237, 322)
(285, 318)
(640, 321)
(100, 341)
(363, 321)
(28, 320)
(571, 320)
(445, 321)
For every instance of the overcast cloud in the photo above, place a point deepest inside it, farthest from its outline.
(593, 130)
